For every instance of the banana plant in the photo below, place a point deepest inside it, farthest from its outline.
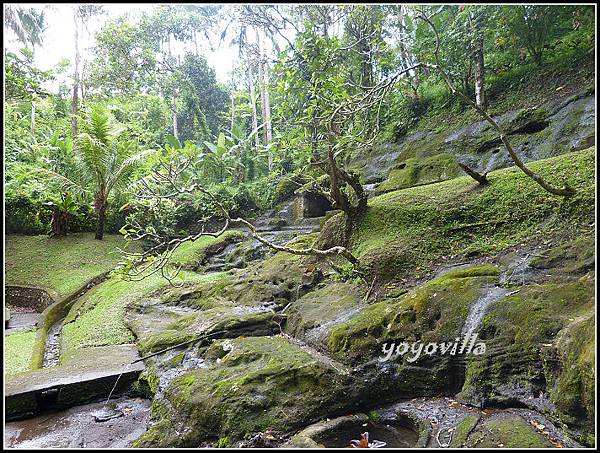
(62, 211)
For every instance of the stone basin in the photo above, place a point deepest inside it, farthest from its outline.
(338, 432)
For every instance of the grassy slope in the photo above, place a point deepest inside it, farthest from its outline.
(18, 348)
(59, 265)
(405, 231)
(104, 306)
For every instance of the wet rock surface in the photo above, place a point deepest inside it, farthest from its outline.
(77, 427)
(52, 349)
(555, 127)
(329, 330)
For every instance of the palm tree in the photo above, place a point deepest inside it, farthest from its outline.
(104, 162)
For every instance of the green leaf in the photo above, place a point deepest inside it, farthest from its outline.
(171, 140)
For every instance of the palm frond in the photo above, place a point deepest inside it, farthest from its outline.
(120, 175)
(66, 183)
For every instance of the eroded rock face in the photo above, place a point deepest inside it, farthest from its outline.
(540, 342)
(249, 385)
(284, 357)
(554, 128)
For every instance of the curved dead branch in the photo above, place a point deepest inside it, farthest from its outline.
(563, 191)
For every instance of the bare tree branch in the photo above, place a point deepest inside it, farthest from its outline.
(564, 191)
(158, 258)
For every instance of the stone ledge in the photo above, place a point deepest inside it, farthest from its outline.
(87, 375)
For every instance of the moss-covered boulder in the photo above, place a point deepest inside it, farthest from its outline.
(415, 171)
(239, 303)
(539, 342)
(313, 316)
(193, 255)
(435, 311)
(253, 385)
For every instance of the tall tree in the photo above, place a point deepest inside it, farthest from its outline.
(75, 94)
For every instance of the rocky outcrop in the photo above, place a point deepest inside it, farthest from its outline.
(555, 127)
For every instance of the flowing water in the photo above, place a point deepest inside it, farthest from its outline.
(479, 308)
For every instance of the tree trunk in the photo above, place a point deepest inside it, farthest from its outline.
(232, 109)
(75, 99)
(32, 116)
(101, 220)
(479, 74)
(254, 112)
(60, 223)
(268, 126)
(175, 131)
(264, 95)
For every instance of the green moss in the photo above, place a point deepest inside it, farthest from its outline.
(406, 231)
(59, 265)
(463, 429)
(420, 170)
(571, 257)
(322, 306)
(512, 432)
(527, 334)
(374, 416)
(572, 390)
(433, 312)
(162, 340)
(104, 305)
(223, 442)
(18, 351)
(193, 253)
(261, 383)
(287, 185)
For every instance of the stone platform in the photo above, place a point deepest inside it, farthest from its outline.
(84, 375)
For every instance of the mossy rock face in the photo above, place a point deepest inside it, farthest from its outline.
(313, 316)
(260, 383)
(415, 171)
(556, 127)
(538, 352)
(241, 303)
(433, 312)
(571, 258)
(192, 255)
(571, 387)
(272, 281)
(403, 233)
(501, 430)
(287, 185)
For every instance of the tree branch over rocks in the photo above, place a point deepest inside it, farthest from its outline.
(566, 190)
(163, 184)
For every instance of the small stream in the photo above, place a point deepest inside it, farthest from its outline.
(52, 349)
(479, 308)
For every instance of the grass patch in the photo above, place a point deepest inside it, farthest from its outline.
(97, 319)
(59, 265)
(18, 350)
